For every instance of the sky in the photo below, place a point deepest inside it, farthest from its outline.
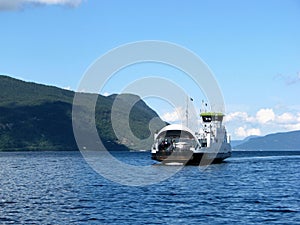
(252, 48)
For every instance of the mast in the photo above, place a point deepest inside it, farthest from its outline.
(187, 110)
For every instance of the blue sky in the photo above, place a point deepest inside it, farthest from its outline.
(253, 48)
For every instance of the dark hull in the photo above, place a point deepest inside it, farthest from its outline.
(190, 158)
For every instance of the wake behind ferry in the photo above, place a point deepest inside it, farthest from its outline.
(178, 144)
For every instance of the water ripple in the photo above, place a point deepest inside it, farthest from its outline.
(60, 188)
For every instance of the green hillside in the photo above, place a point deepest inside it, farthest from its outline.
(38, 117)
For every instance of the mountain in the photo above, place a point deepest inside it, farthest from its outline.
(278, 141)
(235, 143)
(39, 117)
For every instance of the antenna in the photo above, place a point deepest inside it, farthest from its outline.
(203, 107)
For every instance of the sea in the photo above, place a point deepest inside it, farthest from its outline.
(251, 187)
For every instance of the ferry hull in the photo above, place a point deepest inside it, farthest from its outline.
(191, 158)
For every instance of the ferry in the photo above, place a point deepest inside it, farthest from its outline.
(176, 143)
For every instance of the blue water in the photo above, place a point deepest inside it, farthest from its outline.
(61, 188)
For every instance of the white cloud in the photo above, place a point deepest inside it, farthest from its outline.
(286, 118)
(55, 2)
(170, 116)
(291, 127)
(264, 121)
(244, 132)
(17, 4)
(240, 132)
(298, 117)
(243, 116)
(175, 116)
(265, 115)
(105, 94)
(178, 116)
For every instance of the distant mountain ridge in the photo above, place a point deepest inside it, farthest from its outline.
(278, 141)
(239, 142)
(39, 117)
